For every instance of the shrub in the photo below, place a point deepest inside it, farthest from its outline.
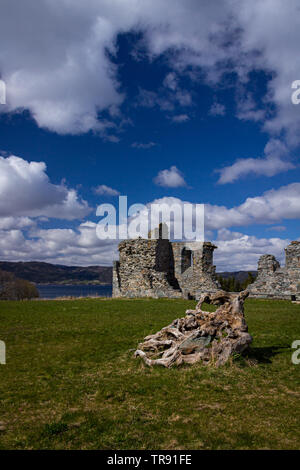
(12, 288)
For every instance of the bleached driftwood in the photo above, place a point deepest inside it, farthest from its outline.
(200, 335)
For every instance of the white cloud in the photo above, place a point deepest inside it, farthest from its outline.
(149, 99)
(217, 109)
(274, 205)
(236, 250)
(259, 166)
(66, 78)
(61, 246)
(226, 235)
(111, 138)
(247, 109)
(272, 28)
(9, 223)
(80, 246)
(180, 118)
(104, 190)
(183, 98)
(275, 161)
(241, 252)
(171, 178)
(271, 207)
(277, 228)
(165, 100)
(171, 81)
(143, 145)
(25, 190)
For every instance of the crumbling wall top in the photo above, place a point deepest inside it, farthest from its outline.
(268, 263)
(292, 255)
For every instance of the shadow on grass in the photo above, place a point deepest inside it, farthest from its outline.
(264, 355)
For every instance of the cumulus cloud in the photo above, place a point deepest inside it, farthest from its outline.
(275, 161)
(226, 235)
(11, 222)
(269, 166)
(271, 207)
(103, 190)
(25, 190)
(171, 178)
(66, 78)
(237, 251)
(78, 246)
(272, 29)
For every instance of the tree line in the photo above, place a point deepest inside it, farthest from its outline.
(231, 284)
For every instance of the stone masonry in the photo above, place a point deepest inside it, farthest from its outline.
(160, 268)
(275, 282)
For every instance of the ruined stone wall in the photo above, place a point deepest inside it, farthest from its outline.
(145, 268)
(159, 268)
(292, 256)
(277, 282)
(204, 276)
(194, 268)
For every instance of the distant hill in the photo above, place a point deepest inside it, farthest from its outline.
(46, 273)
(238, 275)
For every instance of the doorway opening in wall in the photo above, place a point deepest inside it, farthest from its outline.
(293, 298)
(186, 259)
(191, 297)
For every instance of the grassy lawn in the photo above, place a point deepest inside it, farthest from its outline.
(71, 381)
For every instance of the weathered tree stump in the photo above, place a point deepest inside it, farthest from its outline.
(210, 337)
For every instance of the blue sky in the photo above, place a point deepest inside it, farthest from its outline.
(194, 104)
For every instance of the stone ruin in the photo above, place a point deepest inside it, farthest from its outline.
(209, 337)
(156, 267)
(275, 282)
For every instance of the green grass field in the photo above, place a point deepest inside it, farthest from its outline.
(71, 381)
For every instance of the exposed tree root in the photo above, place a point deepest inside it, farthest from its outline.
(200, 335)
